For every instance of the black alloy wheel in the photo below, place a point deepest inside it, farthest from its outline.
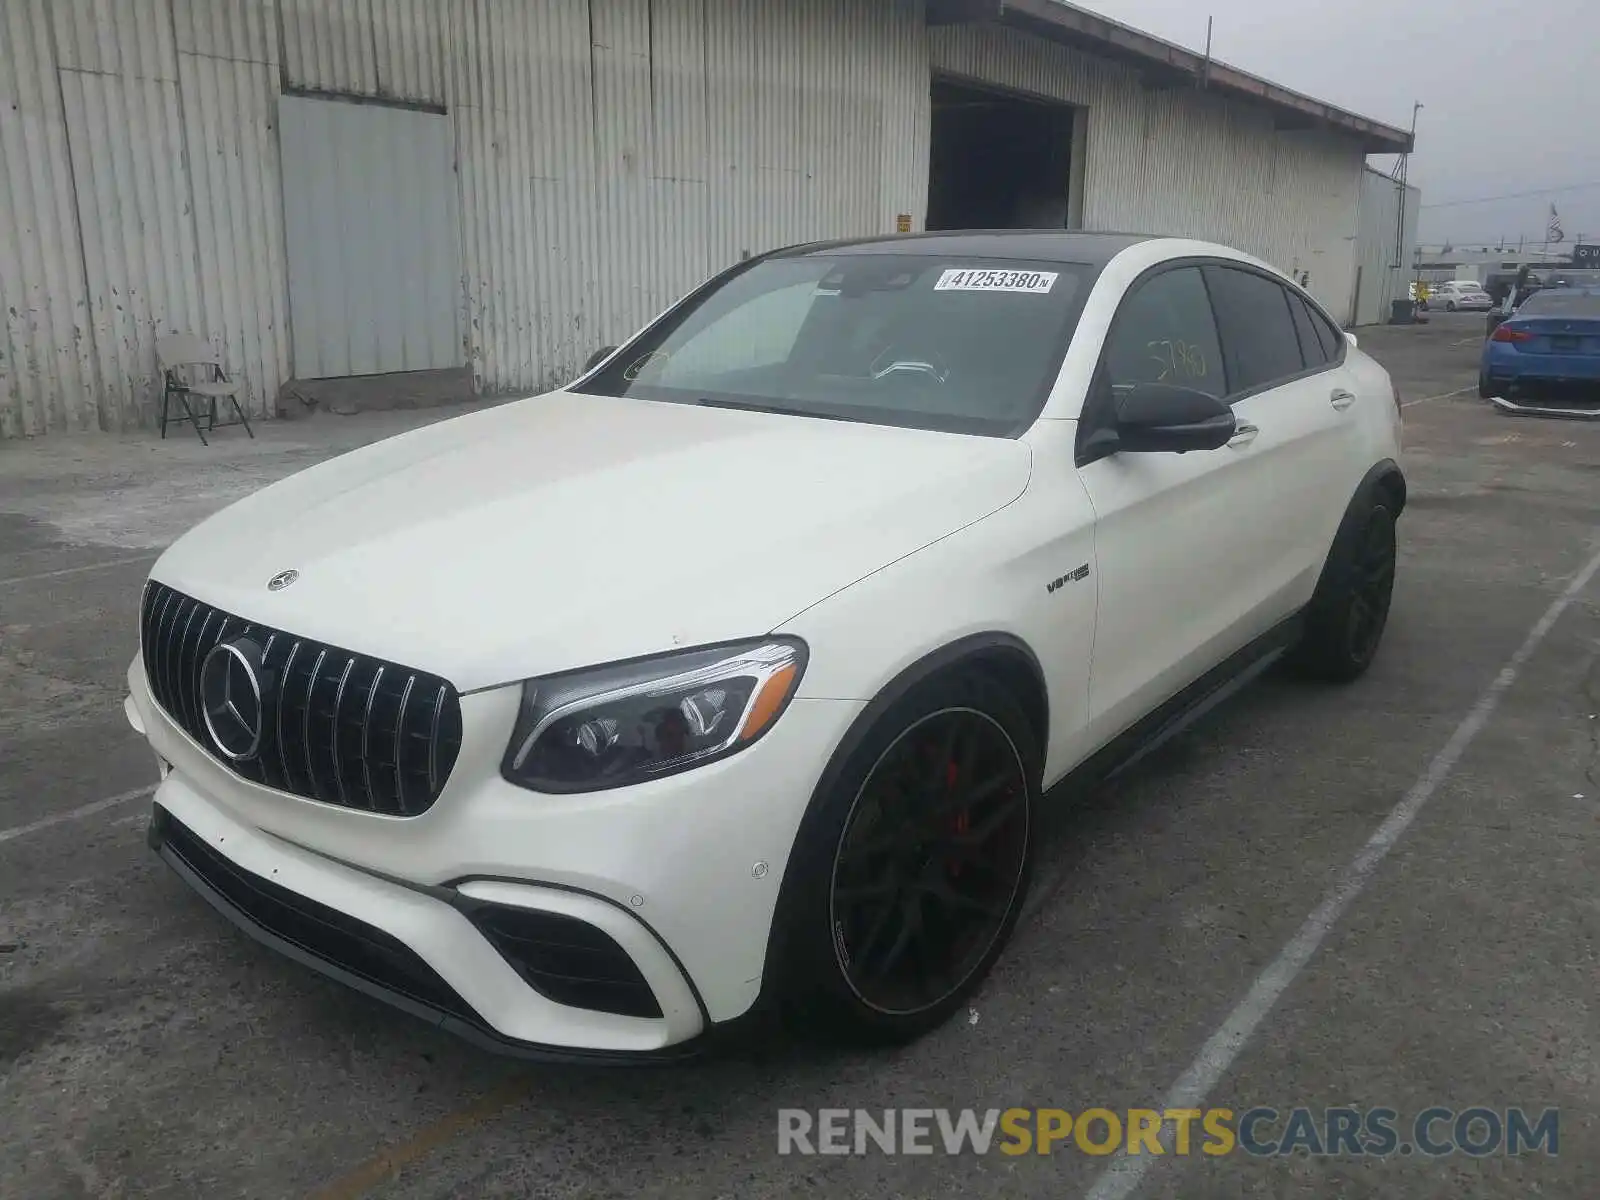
(930, 863)
(1371, 588)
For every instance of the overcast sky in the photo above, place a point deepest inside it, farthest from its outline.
(1510, 88)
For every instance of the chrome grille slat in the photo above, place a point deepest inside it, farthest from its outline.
(399, 733)
(158, 624)
(366, 731)
(277, 720)
(433, 743)
(389, 754)
(189, 668)
(333, 732)
(169, 672)
(305, 732)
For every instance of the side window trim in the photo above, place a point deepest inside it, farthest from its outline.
(1306, 373)
(1093, 416)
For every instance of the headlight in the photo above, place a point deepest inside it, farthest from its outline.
(613, 726)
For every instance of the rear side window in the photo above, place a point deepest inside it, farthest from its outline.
(1331, 336)
(1165, 333)
(1259, 343)
(1312, 348)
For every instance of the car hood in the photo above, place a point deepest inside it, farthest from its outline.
(568, 530)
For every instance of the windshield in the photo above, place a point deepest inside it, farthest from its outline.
(960, 345)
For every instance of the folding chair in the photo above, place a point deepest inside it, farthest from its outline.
(181, 356)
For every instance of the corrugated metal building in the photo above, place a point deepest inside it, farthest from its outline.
(497, 187)
(1384, 259)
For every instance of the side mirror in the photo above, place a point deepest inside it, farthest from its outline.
(1351, 338)
(598, 357)
(1153, 418)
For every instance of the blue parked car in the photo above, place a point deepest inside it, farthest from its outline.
(1550, 346)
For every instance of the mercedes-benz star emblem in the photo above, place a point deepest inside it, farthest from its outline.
(282, 580)
(233, 688)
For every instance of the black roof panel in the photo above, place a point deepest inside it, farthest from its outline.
(1042, 245)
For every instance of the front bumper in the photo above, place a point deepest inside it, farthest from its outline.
(680, 876)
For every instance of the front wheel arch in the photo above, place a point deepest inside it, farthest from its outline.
(1003, 658)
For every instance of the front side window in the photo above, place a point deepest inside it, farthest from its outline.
(1258, 336)
(1165, 333)
(967, 346)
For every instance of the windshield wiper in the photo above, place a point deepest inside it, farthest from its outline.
(753, 406)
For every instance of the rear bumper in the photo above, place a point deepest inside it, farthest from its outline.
(1510, 367)
(1521, 408)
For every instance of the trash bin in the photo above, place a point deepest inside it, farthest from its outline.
(1403, 312)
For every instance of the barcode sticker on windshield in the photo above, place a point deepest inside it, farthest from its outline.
(961, 279)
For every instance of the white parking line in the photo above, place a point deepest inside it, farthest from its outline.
(75, 814)
(1440, 396)
(99, 566)
(1217, 1056)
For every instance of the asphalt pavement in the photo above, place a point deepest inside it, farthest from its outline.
(1376, 896)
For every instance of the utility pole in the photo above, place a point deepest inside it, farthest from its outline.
(1205, 69)
(1402, 182)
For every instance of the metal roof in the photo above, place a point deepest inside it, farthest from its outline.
(1042, 245)
(1164, 64)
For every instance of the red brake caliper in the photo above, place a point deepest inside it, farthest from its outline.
(963, 818)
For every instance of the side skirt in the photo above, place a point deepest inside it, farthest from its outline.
(1181, 711)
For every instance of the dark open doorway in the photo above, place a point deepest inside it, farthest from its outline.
(998, 161)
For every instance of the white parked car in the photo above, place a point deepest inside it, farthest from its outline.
(1463, 295)
(736, 673)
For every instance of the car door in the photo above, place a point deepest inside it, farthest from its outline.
(1177, 551)
(1287, 381)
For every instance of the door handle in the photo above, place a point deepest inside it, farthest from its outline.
(1243, 435)
(1342, 399)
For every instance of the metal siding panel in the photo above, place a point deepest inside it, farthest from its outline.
(390, 48)
(371, 238)
(521, 92)
(681, 204)
(1382, 279)
(229, 108)
(1182, 161)
(49, 375)
(125, 132)
(607, 168)
(241, 30)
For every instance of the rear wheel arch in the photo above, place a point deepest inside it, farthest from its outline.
(1385, 480)
(1385, 484)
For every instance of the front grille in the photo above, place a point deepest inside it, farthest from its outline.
(324, 933)
(337, 727)
(567, 960)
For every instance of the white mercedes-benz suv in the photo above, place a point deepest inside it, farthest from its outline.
(731, 678)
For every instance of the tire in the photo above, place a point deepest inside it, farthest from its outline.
(1485, 389)
(1350, 610)
(840, 921)
(1449, 306)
